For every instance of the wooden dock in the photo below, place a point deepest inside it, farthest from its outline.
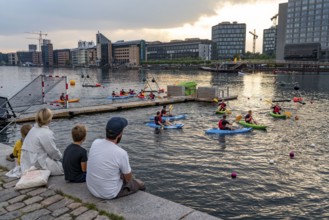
(71, 112)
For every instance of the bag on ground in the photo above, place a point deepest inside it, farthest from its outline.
(33, 178)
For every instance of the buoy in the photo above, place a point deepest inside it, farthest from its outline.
(233, 175)
(296, 118)
(72, 82)
(297, 99)
(248, 98)
(271, 161)
(292, 154)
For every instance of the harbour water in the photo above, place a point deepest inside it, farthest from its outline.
(194, 169)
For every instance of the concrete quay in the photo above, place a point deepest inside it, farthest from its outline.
(71, 112)
(64, 201)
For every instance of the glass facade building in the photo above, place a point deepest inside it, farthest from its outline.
(230, 39)
(307, 23)
(269, 41)
(178, 49)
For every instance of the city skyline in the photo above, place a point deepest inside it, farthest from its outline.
(68, 22)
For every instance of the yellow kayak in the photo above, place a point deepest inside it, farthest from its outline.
(70, 100)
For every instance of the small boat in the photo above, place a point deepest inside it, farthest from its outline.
(171, 118)
(175, 126)
(236, 131)
(241, 73)
(220, 112)
(254, 126)
(121, 97)
(283, 116)
(63, 101)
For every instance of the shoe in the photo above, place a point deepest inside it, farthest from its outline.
(9, 158)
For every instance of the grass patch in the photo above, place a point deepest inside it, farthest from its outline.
(91, 206)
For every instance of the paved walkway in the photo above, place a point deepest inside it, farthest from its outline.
(61, 200)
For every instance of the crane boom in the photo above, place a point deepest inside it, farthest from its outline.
(255, 36)
(40, 37)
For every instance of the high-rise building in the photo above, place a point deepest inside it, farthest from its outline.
(32, 47)
(303, 30)
(269, 41)
(47, 53)
(230, 39)
(177, 49)
(104, 50)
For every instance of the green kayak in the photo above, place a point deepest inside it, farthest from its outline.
(283, 116)
(254, 126)
(220, 112)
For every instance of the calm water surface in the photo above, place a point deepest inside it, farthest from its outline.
(194, 169)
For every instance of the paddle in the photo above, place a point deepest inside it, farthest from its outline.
(170, 109)
(288, 114)
(237, 118)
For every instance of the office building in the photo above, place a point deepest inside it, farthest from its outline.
(12, 59)
(24, 57)
(303, 30)
(3, 58)
(230, 39)
(269, 41)
(104, 50)
(62, 57)
(47, 53)
(194, 48)
(130, 53)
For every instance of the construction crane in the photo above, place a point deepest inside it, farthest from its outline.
(40, 37)
(255, 36)
(274, 19)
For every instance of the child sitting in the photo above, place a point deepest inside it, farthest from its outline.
(75, 157)
(18, 145)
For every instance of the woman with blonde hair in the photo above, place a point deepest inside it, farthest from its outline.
(39, 148)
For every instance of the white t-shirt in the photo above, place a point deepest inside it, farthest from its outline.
(106, 162)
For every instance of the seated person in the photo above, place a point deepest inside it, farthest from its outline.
(114, 94)
(222, 106)
(109, 174)
(158, 120)
(152, 96)
(18, 145)
(122, 92)
(164, 111)
(249, 119)
(75, 157)
(276, 109)
(62, 97)
(222, 124)
(131, 92)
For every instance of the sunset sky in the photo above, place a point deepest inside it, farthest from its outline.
(67, 22)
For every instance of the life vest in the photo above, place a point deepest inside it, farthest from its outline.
(223, 105)
(220, 124)
(248, 120)
(276, 109)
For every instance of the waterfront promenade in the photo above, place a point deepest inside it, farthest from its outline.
(63, 201)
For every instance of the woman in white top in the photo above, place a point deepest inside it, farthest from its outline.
(39, 148)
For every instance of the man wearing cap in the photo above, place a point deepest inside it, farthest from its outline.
(108, 172)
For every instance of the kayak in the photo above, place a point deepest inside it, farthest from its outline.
(70, 100)
(283, 116)
(171, 118)
(254, 126)
(175, 126)
(121, 97)
(220, 112)
(236, 131)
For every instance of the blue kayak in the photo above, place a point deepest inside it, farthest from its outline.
(236, 131)
(171, 118)
(175, 126)
(121, 97)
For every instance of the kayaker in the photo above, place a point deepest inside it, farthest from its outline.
(62, 97)
(122, 92)
(158, 120)
(222, 124)
(276, 109)
(164, 111)
(131, 92)
(114, 94)
(152, 96)
(249, 119)
(222, 106)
